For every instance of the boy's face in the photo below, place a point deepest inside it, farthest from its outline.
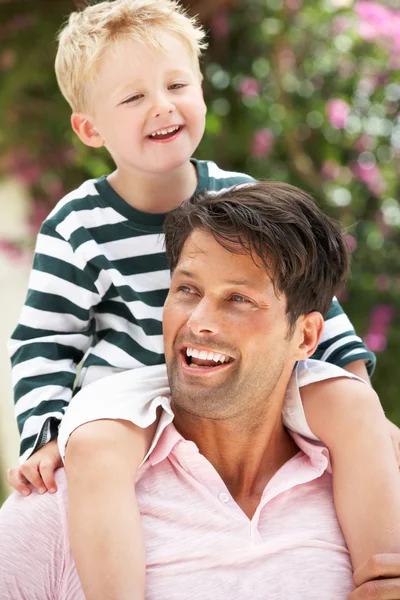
(148, 105)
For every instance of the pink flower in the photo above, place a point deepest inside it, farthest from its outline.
(294, 5)
(249, 87)
(340, 24)
(376, 15)
(262, 143)
(365, 142)
(287, 58)
(11, 251)
(375, 342)
(330, 169)
(370, 175)
(21, 22)
(346, 68)
(338, 112)
(38, 213)
(380, 320)
(382, 283)
(380, 24)
(220, 24)
(351, 242)
(7, 60)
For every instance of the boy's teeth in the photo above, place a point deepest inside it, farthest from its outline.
(165, 131)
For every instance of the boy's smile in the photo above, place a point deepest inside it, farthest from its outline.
(148, 105)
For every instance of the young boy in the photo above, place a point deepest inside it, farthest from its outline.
(130, 71)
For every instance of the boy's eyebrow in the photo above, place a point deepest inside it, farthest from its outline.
(126, 87)
(137, 83)
(176, 72)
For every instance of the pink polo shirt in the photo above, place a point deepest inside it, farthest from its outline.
(199, 543)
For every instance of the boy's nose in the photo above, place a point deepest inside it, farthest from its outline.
(162, 107)
(160, 112)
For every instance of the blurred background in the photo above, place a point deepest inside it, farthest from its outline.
(303, 91)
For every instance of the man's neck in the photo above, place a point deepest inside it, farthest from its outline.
(246, 455)
(155, 193)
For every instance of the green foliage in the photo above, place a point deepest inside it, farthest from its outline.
(307, 93)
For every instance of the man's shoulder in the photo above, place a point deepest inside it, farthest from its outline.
(34, 548)
(51, 506)
(213, 178)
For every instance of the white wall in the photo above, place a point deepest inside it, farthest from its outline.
(13, 284)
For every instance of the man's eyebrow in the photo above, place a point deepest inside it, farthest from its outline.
(239, 282)
(184, 272)
(255, 284)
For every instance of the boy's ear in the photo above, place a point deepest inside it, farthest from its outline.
(86, 131)
(310, 331)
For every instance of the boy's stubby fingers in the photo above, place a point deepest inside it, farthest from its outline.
(379, 566)
(31, 473)
(16, 480)
(47, 469)
(384, 589)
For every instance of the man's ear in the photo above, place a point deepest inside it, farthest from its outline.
(310, 329)
(85, 130)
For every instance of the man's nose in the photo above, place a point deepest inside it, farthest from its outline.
(204, 318)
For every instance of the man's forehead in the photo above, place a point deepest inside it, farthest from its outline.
(203, 253)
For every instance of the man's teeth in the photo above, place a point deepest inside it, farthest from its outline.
(204, 355)
(165, 131)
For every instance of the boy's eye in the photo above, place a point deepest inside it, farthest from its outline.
(133, 98)
(176, 86)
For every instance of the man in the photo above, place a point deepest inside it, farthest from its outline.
(232, 505)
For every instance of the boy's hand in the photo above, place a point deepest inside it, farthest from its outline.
(378, 578)
(395, 435)
(38, 471)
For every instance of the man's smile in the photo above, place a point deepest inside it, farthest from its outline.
(198, 360)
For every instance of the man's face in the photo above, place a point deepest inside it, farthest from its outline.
(148, 105)
(226, 334)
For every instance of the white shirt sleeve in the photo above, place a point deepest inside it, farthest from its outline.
(131, 395)
(32, 548)
(135, 396)
(306, 372)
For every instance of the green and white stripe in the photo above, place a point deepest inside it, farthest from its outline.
(96, 296)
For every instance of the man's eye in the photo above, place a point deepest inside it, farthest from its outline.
(185, 289)
(133, 98)
(240, 299)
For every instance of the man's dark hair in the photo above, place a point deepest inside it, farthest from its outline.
(302, 249)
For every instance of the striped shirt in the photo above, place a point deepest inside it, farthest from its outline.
(96, 295)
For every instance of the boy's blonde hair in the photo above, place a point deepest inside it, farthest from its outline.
(90, 33)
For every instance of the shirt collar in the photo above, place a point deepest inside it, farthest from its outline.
(167, 437)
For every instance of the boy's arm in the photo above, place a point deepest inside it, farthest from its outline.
(347, 416)
(105, 530)
(51, 338)
(340, 345)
